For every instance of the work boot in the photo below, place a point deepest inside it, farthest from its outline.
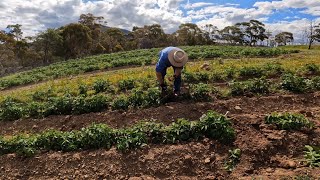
(176, 93)
(163, 88)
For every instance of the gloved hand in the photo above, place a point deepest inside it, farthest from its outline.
(172, 78)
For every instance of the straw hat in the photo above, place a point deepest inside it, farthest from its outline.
(177, 57)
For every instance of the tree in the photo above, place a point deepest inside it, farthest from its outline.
(15, 31)
(77, 40)
(149, 36)
(313, 33)
(6, 50)
(91, 21)
(190, 34)
(232, 34)
(50, 43)
(113, 40)
(212, 32)
(253, 30)
(95, 24)
(283, 38)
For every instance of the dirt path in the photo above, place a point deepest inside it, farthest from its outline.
(267, 153)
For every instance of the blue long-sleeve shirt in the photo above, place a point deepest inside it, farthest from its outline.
(163, 61)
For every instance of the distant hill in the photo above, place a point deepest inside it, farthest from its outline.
(123, 30)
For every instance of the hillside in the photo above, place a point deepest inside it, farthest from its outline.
(251, 113)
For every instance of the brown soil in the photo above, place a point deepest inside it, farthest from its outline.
(266, 152)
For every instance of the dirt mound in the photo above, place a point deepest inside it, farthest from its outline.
(267, 153)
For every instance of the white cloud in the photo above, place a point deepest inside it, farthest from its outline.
(197, 5)
(38, 15)
(312, 6)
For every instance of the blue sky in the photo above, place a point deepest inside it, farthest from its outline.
(278, 15)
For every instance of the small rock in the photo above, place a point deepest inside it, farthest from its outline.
(210, 178)
(288, 164)
(34, 127)
(292, 164)
(11, 155)
(135, 178)
(207, 160)
(170, 107)
(76, 156)
(187, 157)
(212, 157)
(237, 108)
(206, 140)
(269, 170)
(205, 66)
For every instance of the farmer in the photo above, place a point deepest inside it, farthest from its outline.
(175, 57)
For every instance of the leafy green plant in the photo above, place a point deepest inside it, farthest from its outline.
(42, 95)
(137, 98)
(96, 136)
(312, 155)
(101, 86)
(288, 121)
(216, 126)
(255, 86)
(83, 89)
(178, 131)
(273, 69)
(11, 109)
(121, 102)
(200, 91)
(251, 72)
(126, 84)
(312, 68)
(233, 160)
(294, 83)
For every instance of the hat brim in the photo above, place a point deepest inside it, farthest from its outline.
(173, 62)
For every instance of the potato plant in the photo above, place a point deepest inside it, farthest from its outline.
(312, 156)
(289, 121)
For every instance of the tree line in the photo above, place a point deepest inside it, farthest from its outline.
(91, 36)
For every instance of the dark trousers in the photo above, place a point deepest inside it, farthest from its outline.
(177, 80)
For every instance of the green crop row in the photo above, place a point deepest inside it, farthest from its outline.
(138, 57)
(45, 103)
(211, 125)
(269, 70)
(288, 121)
